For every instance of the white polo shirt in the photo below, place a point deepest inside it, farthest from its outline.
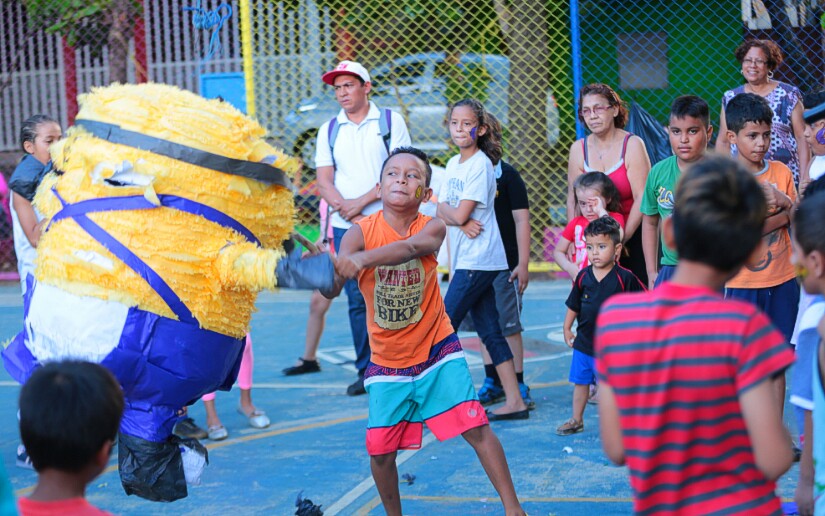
(359, 154)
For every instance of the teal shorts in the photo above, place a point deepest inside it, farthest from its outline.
(438, 392)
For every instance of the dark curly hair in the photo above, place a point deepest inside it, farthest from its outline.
(771, 50)
(612, 98)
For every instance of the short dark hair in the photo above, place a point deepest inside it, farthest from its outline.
(418, 153)
(612, 98)
(818, 185)
(807, 223)
(747, 107)
(605, 225)
(690, 105)
(68, 411)
(773, 53)
(719, 209)
(811, 101)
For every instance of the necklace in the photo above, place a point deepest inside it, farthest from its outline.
(600, 152)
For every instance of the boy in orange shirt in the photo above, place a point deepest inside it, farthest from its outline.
(417, 373)
(769, 282)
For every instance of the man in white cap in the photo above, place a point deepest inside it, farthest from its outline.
(350, 151)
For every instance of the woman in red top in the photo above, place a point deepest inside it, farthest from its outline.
(622, 156)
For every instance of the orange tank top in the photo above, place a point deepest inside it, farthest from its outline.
(405, 312)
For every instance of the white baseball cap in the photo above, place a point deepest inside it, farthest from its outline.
(346, 68)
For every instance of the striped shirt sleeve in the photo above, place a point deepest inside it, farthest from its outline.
(763, 354)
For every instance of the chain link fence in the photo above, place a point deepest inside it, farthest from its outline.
(524, 59)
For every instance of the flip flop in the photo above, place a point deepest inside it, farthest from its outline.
(570, 427)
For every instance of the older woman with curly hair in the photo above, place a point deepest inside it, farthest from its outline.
(758, 59)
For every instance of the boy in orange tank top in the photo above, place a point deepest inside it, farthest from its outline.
(417, 373)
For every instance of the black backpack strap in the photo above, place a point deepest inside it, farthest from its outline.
(332, 135)
(385, 127)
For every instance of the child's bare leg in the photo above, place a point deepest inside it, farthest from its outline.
(246, 401)
(491, 455)
(318, 307)
(212, 418)
(514, 402)
(385, 475)
(517, 348)
(580, 393)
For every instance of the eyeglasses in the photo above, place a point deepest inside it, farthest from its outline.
(597, 110)
(757, 62)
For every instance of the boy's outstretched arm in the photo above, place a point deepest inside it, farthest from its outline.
(352, 259)
(609, 427)
(769, 438)
(351, 243)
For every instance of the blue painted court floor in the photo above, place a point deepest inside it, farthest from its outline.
(315, 444)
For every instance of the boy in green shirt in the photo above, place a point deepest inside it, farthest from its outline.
(689, 131)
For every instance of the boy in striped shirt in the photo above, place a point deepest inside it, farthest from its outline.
(686, 376)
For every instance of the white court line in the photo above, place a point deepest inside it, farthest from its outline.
(356, 492)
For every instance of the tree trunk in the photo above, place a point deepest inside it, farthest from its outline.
(120, 32)
(524, 26)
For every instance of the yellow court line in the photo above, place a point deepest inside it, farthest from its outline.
(369, 506)
(252, 437)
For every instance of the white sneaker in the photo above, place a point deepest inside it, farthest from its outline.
(23, 459)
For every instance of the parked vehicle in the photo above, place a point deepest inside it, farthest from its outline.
(414, 86)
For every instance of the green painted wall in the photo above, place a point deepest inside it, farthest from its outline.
(701, 38)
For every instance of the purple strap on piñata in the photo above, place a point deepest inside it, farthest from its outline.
(138, 202)
(79, 210)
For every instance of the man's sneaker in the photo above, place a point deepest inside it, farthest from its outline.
(187, 428)
(357, 388)
(525, 395)
(23, 460)
(490, 392)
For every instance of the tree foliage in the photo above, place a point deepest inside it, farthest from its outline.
(90, 23)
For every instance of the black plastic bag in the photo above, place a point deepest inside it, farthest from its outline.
(642, 124)
(153, 470)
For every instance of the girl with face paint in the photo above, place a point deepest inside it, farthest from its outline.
(466, 204)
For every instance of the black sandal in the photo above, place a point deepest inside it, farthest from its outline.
(307, 366)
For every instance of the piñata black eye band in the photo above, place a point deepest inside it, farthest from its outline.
(264, 172)
(814, 114)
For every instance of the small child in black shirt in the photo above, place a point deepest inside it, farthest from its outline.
(593, 286)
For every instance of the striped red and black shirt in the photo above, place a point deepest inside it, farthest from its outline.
(678, 358)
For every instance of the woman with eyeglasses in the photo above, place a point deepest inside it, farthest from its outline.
(621, 155)
(758, 59)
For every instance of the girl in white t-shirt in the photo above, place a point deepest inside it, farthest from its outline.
(466, 204)
(36, 136)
